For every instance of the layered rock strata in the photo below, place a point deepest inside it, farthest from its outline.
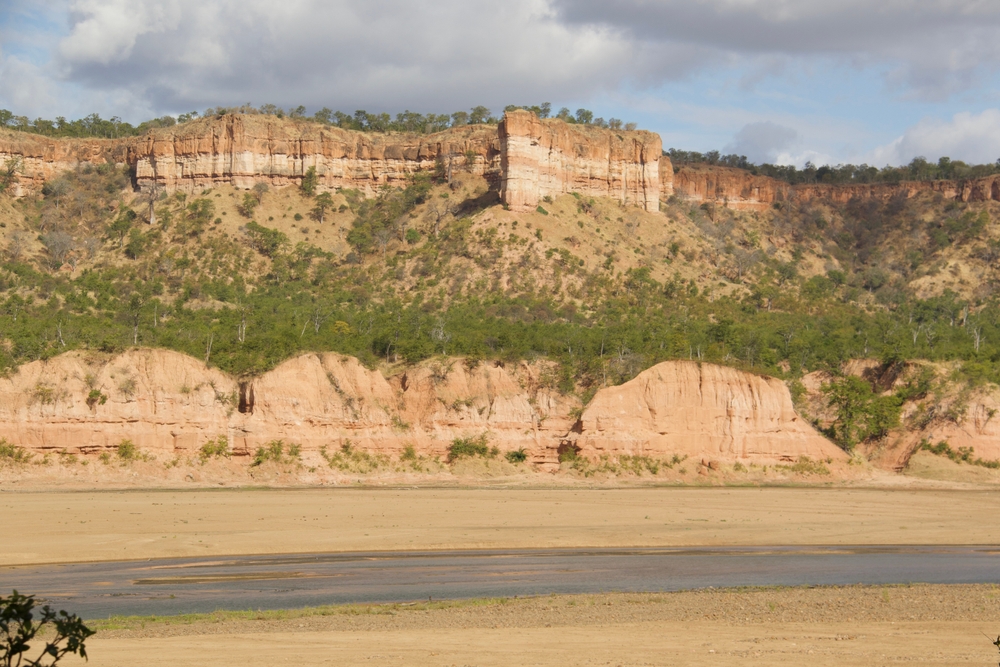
(243, 150)
(700, 411)
(41, 158)
(545, 158)
(171, 404)
(741, 190)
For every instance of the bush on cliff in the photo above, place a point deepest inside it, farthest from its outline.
(471, 447)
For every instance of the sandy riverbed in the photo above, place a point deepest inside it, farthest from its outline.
(53, 527)
(936, 625)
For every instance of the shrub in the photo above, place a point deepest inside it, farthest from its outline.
(96, 397)
(12, 453)
(276, 451)
(265, 240)
(470, 447)
(354, 460)
(541, 210)
(21, 624)
(215, 448)
(127, 451)
(961, 455)
(517, 455)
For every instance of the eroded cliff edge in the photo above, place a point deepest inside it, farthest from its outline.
(169, 403)
(524, 160)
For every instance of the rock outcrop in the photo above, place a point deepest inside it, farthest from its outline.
(171, 404)
(543, 158)
(42, 159)
(701, 411)
(524, 160)
(741, 190)
(734, 188)
(242, 150)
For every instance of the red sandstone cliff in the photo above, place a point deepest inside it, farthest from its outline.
(168, 403)
(525, 159)
(700, 410)
(740, 189)
(541, 158)
(246, 149)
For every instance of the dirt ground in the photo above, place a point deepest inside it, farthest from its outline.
(936, 625)
(54, 527)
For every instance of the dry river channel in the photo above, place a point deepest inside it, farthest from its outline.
(187, 585)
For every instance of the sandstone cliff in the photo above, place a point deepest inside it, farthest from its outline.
(700, 410)
(541, 158)
(525, 160)
(43, 159)
(739, 189)
(242, 150)
(168, 403)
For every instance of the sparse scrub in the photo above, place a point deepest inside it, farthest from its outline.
(351, 459)
(96, 397)
(625, 464)
(806, 466)
(516, 456)
(13, 453)
(961, 455)
(214, 449)
(278, 452)
(126, 451)
(477, 446)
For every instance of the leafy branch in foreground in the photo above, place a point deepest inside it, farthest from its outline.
(18, 630)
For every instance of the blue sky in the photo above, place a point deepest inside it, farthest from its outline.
(777, 80)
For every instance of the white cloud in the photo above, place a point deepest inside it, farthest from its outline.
(763, 141)
(106, 31)
(929, 49)
(972, 138)
(380, 54)
(26, 87)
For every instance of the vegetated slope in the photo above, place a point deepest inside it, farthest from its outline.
(247, 278)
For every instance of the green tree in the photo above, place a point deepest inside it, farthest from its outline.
(862, 414)
(248, 205)
(323, 201)
(65, 633)
(9, 173)
(309, 182)
(265, 240)
(121, 226)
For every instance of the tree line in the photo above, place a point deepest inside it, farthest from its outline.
(919, 169)
(407, 121)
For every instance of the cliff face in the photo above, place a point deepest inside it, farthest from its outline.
(43, 159)
(735, 188)
(739, 189)
(525, 159)
(541, 158)
(169, 403)
(700, 410)
(243, 150)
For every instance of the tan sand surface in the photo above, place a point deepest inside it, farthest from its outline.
(51, 527)
(934, 625)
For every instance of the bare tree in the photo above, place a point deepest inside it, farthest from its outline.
(259, 190)
(744, 260)
(152, 204)
(59, 245)
(17, 245)
(382, 237)
(976, 331)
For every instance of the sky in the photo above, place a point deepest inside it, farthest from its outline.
(781, 81)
